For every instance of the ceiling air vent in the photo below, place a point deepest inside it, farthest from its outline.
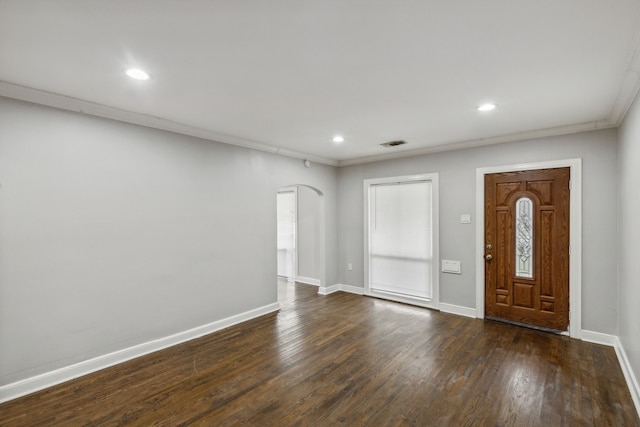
(393, 143)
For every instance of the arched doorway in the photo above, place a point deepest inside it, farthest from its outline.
(300, 238)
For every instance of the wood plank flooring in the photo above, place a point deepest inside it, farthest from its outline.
(348, 360)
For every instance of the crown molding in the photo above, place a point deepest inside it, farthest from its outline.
(626, 95)
(513, 137)
(628, 88)
(23, 93)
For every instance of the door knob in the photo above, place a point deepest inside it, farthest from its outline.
(488, 257)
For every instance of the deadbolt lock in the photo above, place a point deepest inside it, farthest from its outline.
(489, 247)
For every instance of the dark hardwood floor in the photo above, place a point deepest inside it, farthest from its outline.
(349, 360)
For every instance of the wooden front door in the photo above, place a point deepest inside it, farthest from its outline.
(527, 247)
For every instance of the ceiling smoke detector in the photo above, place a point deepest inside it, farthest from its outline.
(393, 143)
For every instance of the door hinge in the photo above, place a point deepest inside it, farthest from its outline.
(569, 184)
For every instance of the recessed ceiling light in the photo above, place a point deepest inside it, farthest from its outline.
(486, 107)
(137, 74)
(338, 139)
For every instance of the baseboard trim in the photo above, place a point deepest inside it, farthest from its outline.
(341, 287)
(308, 280)
(629, 375)
(67, 373)
(599, 338)
(326, 290)
(458, 309)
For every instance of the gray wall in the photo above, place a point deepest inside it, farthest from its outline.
(309, 233)
(113, 234)
(629, 235)
(457, 171)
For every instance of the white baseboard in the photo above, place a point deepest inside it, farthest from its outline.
(308, 280)
(326, 290)
(629, 375)
(341, 287)
(48, 379)
(599, 338)
(458, 309)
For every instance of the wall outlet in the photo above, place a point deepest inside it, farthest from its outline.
(350, 267)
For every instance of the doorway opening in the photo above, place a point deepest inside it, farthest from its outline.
(300, 239)
(527, 247)
(525, 268)
(287, 241)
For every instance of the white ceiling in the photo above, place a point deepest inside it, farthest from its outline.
(287, 75)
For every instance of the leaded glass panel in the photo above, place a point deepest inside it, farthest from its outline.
(524, 238)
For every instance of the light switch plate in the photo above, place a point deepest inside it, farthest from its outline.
(465, 219)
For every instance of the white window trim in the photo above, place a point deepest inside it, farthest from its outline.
(575, 235)
(435, 270)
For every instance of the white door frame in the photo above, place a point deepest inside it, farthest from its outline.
(575, 235)
(435, 265)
